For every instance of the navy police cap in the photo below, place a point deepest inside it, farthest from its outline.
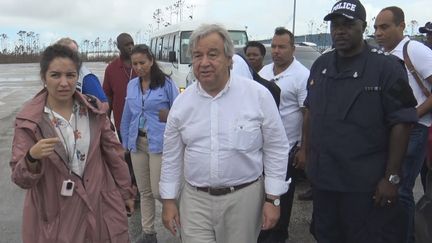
(427, 28)
(351, 9)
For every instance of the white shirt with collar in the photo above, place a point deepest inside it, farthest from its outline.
(74, 135)
(421, 58)
(292, 82)
(224, 140)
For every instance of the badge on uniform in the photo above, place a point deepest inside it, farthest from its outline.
(312, 82)
(372, 88)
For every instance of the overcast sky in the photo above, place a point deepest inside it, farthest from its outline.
(89, 19)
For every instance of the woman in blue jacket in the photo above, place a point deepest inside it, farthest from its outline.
(148, 100)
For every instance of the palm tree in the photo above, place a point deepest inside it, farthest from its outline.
(4, 44)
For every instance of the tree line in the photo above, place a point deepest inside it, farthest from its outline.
(27, 47)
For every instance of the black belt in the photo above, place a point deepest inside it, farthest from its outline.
(142, 133)
(220, 191)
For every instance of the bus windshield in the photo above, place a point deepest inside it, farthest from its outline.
(239, 38)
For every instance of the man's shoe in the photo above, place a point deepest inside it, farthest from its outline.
(306, 196)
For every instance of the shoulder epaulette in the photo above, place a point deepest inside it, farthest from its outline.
(378, 51)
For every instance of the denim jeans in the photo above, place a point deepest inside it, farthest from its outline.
(413, 161)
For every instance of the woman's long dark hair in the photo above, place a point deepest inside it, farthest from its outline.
(157, 76)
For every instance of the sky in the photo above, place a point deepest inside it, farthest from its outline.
(89, 19)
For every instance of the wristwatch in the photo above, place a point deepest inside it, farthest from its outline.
(394, 179)
(275, 202)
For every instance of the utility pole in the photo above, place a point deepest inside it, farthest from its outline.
(294, 17)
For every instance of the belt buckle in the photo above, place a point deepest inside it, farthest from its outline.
(220, 191)
(217, 191)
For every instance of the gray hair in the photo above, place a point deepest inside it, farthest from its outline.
(65, 41)
(207, 29)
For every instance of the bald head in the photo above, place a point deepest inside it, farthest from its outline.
(125, 44)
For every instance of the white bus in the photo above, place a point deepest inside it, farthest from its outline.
(170, 48)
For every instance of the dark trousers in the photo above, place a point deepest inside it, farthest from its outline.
(128, 161)
(280, 231)
(423, 174)
(351, 217)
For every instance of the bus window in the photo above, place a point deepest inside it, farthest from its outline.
(152, 45)
(159, 48)
(165, 43)
(239, 38)
(185, 57)
(170, 45)
(176, 46)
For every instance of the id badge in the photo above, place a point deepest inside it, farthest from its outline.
(141, 123)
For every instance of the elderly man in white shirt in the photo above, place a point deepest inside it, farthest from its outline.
(223, 131)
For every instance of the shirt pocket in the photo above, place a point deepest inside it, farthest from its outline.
(247, 135)
(363, 107)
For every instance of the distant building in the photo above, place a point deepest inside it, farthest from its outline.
(323, 41)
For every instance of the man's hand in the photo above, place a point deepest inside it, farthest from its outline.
(271, 215)
(300, 159)
(385, 193)
(163, 115)
(170, 215)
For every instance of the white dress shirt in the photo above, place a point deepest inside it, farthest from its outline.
(292, 82)
(225, 140)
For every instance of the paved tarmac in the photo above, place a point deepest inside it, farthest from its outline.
(18, 83)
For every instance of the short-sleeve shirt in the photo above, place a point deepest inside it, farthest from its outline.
(116, 78)
(421, 58)
(292, 82)
(350, 117)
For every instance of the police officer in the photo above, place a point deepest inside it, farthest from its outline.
(359, 110)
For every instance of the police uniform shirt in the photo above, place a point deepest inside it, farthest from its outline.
(351, 113)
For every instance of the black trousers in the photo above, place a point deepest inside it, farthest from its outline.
(423, 174)
(280, 231)
(351, 217)
(128, 161)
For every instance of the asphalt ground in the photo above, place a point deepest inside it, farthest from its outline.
(18, 83)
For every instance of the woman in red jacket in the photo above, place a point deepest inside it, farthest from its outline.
(70, 161)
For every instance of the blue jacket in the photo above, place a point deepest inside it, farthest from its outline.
(154, 100)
